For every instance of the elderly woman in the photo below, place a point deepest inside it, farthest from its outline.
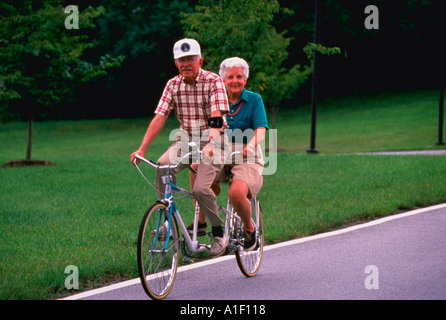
(248, 124)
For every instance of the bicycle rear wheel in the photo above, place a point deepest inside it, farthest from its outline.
(157, 252)
(249, 261)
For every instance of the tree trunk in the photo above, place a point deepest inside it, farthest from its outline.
(30, 138)
(274, 110)
(272, 146)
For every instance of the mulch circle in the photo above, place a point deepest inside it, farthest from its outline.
(27, 163)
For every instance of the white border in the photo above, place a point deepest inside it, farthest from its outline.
(266, 248)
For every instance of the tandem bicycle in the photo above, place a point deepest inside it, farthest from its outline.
(163, 234)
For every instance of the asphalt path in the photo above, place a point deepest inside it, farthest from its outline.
(398, 258)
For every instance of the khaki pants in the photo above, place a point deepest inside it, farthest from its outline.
(206, 173)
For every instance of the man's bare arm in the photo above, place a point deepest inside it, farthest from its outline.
(152, 132)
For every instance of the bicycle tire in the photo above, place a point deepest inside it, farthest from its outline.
(249, 261)
(157, 266)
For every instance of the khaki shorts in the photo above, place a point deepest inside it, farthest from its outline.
(251, 174)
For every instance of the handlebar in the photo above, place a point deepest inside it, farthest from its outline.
(158, 166)
(194, 153)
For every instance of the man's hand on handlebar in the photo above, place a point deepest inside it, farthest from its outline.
(134, 160)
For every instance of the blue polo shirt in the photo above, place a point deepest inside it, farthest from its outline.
(249, 117)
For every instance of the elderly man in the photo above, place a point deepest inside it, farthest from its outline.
(196, 96)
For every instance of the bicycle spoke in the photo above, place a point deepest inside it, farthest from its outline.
(249, 261)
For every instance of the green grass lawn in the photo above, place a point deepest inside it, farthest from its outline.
(372, 122)
(86, 210)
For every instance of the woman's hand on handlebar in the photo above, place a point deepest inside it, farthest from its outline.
(208, 151)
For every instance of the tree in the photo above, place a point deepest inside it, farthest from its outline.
(243, 28)
(41, 59)
(143, 31)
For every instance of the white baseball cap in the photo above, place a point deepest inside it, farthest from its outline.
(186, 47)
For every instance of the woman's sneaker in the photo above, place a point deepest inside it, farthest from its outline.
(250, 240)
(201, 231)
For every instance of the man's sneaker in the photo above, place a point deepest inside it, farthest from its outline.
(250, 240)
(162, 232)
(201, 231)
(218, 246)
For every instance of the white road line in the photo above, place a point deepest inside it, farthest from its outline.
(266, 248)
(356, 227)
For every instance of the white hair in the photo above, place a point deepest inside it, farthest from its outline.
(233, 63)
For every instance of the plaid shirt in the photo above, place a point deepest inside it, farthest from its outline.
(193, 104)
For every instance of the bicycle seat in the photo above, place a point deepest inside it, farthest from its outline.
(227, 174)
(215, 188)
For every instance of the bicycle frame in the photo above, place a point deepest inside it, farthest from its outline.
(157, 257)
(192, 243)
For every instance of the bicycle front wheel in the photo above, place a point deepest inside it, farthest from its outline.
(158, 251)
(249, 261)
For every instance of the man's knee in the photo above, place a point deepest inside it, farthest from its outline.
(201, 191)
